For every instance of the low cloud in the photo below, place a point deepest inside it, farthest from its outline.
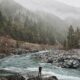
(61, 8)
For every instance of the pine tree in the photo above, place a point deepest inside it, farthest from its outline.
(70, 38)
(77, 38)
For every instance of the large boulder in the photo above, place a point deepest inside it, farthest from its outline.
(71, 63)
(7, 75)
(41, 78)
(51, 78)
(33, 75)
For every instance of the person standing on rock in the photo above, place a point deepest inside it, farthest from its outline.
(40, 71)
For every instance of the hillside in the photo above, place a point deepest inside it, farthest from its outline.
(41, 24)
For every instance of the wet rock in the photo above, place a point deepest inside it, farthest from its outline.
(52, 78)
(76, 64)
(7, 75)
(61, 58)
(16, 77)
(71, 64)
(2, 55)
(42, 78)
(50, 61)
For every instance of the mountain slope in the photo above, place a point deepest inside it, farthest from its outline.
(69, 13)
(54, 7)
(45, 24)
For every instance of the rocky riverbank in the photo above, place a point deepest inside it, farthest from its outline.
(9, 46)
(60, 58)
(7, 75)
(17, 51)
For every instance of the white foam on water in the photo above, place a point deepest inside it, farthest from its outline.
(49, 73)
(44, 51)
(32, 69)
(61, 76)
(42, 64)
(44, 72)
(14, 69)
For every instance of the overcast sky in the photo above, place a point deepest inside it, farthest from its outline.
(61, 8)
(75, 3)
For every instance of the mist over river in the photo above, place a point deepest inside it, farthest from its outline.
(25, 63)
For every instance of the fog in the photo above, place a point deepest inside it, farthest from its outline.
(61, 8)
(74, 3)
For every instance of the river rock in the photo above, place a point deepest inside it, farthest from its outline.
(50, 61)
(2, 55)
(33, 75)
(46, 78)
(72, 63)
(61, 58)
(7, 75)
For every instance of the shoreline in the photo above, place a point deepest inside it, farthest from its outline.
(60, 58)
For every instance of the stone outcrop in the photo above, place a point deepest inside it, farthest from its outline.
(70, 63)
(7, 75)
(61, 58)
(46, 78)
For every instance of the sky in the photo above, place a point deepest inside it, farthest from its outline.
(75, 3)
(61, 8)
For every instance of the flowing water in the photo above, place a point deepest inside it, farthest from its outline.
(24, 63)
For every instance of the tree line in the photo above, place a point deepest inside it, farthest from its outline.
(37, 33)
(27, 32)
(73, 39)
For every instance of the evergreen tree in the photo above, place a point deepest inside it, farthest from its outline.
(73, 39)
(70, 38)
(28, 31)
(77, 38)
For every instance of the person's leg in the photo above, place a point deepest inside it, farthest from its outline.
(40, 74)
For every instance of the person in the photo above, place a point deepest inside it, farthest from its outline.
(40, 70)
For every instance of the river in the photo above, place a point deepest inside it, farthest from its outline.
(24, 63)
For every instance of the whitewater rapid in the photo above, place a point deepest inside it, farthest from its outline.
(24, 64)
